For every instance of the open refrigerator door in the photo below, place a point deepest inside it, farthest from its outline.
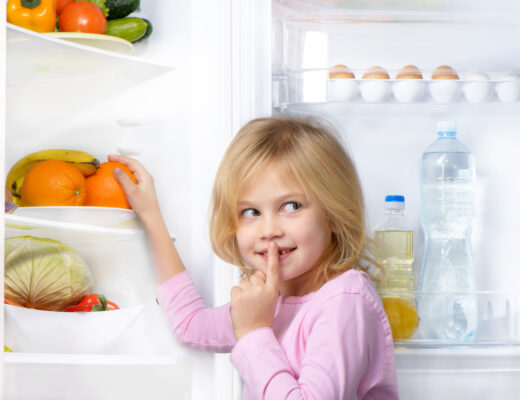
(311, 57)
(152, 100)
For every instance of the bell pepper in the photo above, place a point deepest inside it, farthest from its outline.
(93, 302)
(36, 15)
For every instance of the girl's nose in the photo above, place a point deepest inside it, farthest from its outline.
(270, 228)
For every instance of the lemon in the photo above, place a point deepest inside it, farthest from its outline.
(402, 316)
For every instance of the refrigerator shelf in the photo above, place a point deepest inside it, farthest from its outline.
(400, 11)
(495, 316)
(394, 110)
(78, 376)
(315, 86)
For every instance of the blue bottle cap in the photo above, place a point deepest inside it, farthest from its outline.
(446, 128)
(393, 197)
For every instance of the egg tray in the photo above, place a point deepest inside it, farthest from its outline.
(315, 86)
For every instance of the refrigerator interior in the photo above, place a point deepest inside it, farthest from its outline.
(386, 138)
(155, 103)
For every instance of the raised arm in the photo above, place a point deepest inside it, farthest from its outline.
(143, 200)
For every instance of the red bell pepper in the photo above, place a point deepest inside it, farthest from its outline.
(93, 302)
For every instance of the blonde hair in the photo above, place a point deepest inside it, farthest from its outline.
(321, 166)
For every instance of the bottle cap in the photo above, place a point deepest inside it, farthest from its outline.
(446, 128)
(394, 202)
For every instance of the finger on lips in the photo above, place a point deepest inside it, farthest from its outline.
(273, 269)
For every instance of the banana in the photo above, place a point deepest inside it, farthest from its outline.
(85, 162)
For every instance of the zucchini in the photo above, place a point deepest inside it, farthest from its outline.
(121, 8)
(149, 29)
(131, 28)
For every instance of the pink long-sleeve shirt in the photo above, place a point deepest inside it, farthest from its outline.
(334, 343)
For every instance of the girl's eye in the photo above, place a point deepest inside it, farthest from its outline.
(250, 213)
(292, 206)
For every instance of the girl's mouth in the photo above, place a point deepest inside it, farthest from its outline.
(283, 253)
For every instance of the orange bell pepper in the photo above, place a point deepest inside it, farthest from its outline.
(36, 15)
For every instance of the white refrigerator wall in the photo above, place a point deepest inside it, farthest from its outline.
(178, 124)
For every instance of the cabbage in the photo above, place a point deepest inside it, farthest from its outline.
(44, 274)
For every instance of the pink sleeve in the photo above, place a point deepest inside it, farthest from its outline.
(348, 355)
(192, 322)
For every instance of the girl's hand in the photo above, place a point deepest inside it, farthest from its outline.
(141, 196)
(253, 303)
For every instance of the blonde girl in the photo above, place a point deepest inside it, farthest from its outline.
(305, 322)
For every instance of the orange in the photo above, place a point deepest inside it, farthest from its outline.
(402, 316)
(103, 189)
(54, 183)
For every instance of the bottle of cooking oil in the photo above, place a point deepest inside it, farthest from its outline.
(394, 252)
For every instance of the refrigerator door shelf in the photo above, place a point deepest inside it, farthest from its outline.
(18, 222)
(38, 331)
(65, 77)
(105, 377)
(461, 373)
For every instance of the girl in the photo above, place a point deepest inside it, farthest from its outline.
(305, 322)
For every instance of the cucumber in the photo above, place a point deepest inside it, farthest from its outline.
(121, 8)
(148, 32)
(131, 28)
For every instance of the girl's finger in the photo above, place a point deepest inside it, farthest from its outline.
(273, 267)
(244, 284)
(124, 179)
(257, 279)
(235, 291)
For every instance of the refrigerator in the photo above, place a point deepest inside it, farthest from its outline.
(174, 102)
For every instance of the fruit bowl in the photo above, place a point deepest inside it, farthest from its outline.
(99, 216)
(37, 331)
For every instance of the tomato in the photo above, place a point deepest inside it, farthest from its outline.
(61, 5)
(82, 16)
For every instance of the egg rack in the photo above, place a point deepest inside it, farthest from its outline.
(349, 86)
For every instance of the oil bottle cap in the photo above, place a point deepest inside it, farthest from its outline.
(395, 202)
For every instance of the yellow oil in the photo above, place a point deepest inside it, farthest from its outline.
(394, 250)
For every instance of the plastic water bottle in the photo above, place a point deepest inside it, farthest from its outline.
(447, 304)
(394, 251)
(394, 246)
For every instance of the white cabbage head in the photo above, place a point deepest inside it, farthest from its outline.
(44, 274)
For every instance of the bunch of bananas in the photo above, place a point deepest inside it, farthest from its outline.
(85, 162)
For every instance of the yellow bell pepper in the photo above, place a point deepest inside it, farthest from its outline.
(36, 15)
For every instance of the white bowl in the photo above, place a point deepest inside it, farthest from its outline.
(98, 216)
(408, 90)
(36, 331)
(508, 91)
(445, 91)
(342, 89)
(375, 90)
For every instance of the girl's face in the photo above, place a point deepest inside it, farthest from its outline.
(274, 207)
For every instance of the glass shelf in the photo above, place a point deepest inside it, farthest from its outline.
(495, 317)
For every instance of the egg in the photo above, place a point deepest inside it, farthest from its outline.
(508, 87)
(342, 84)
(340, 71)
(445, 85)
(409, 84)
(375, 85)
(476, 86)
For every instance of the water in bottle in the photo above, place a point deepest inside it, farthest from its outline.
(447, 304)
(394, 251)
